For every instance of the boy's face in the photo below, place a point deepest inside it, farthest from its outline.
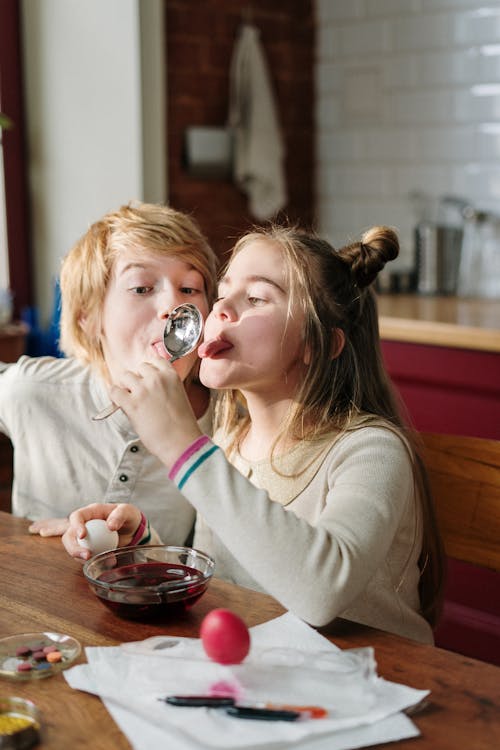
(142, 291)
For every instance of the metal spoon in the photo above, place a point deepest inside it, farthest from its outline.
(182, 332)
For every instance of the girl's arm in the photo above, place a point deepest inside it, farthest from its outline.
(317, 567)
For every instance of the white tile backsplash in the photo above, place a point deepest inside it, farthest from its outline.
(482, 180)
(375, 8)
(340, 10)
(335, 148)
(328, 81)
(390, 146)
(475, 107)
(420, 107)
(406, 100)
(480, 25)
(360, 39)
(423, 32)
(450, 143)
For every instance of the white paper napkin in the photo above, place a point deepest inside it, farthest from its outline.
(132, 677)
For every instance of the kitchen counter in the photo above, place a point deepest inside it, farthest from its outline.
(463, 323)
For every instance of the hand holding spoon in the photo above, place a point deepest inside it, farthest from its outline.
(182, 332)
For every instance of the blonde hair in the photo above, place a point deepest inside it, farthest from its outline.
(352, 389)
(86, 269)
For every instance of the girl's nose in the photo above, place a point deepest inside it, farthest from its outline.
(224, 310)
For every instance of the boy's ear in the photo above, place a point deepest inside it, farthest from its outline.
(87, 325)
(338, 342)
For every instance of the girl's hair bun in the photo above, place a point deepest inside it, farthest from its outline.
(367, 258)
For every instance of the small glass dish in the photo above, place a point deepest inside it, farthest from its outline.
(22, 657)
(149, 582)
(20, 724)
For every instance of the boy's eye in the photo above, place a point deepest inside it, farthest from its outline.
(189, 290)
(141, 289)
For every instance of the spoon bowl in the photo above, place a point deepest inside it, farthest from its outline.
(183, 330)
(182, 333)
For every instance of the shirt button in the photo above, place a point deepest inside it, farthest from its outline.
(123, 478)
(134, 449)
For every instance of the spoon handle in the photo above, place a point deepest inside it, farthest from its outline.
(106, 412)
(111, 408)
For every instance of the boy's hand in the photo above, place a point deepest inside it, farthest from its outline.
(49, 527)
(121, 517)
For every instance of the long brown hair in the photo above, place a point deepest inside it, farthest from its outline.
(352, 389)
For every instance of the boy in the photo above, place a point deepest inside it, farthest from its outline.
(118, 285)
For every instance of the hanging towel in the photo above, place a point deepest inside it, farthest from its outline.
(258, 144)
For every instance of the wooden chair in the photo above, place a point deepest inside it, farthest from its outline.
(464, 473)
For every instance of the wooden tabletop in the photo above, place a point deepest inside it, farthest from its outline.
(43, 590)
(464, 323)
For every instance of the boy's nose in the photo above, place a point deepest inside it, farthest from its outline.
(166, 304)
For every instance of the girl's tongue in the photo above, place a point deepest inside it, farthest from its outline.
(213, 347)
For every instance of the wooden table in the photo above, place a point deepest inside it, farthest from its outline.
(42, 589)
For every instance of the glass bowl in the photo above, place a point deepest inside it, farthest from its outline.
(25, 656)
(20, 723)
(149, 582)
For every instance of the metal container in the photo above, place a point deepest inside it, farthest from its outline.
(438, 248)
(479, 272)
(438, 258)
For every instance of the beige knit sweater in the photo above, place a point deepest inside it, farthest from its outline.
(339, 535)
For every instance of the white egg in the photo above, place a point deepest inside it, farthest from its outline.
(99, 538)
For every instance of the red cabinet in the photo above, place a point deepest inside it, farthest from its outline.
(445, 389)
(457, 392)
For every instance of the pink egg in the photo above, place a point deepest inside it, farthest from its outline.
(225, 637)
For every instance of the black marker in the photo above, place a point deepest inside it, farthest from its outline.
(198, 701)
(266, 714)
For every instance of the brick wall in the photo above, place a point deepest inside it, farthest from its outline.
(200, 41)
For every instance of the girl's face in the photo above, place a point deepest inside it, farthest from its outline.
(252, 343)
(142, 291)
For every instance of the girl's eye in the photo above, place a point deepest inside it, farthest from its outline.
(255, 301)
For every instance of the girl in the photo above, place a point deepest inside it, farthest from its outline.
(317, 496)
(118, 285)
